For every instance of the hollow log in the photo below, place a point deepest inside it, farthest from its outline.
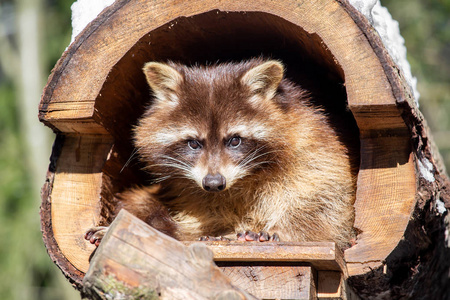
(97, 91)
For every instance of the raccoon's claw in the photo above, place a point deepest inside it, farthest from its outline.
(95, 234)
(248, 236)
(213, 238)
(263, 236)
(275, 237)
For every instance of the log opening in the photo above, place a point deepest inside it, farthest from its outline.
(215, 37)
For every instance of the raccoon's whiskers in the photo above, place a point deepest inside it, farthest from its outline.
(183, 163)
(132, 156)
(160, 179)
(172, 165)
(250, 157)
(246, 162)
(176, 163)
(263, 162)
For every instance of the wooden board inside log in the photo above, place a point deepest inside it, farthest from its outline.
(321, 255)
(273, 281)
(136, 259)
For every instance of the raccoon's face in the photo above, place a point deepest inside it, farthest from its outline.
(217, 165)
(209, 125)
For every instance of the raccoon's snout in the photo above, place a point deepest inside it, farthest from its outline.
(214, 183)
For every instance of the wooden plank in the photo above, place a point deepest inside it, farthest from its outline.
(329, 284)
(70, 109)
(274, 282)
(75, 196)
(78, 126)
(379, 118)
(136, 260)
(73, 117)
(322, 255)
(384, 202)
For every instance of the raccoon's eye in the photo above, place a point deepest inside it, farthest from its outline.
(234, 142)
(194, 144)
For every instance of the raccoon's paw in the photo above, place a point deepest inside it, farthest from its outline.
(95, 234)
(213, 238)
(263, 236)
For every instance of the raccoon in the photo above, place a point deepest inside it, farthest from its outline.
(239, 150)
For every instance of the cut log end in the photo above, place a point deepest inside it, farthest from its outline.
(135, 260)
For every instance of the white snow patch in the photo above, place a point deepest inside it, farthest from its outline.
(426, 169)
(440, 206)
(84, 11)
(365, 7)
(389, 31)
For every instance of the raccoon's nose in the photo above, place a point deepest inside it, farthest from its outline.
(214, 183)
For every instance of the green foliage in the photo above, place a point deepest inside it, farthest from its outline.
(26, 271)
(16, 217)
(57, 30)
(425, 25)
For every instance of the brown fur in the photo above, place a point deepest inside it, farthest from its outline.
(289, 175)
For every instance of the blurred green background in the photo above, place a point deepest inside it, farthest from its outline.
(33, 35)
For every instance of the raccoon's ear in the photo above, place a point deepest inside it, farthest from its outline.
(164, 81)
(264, 79)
